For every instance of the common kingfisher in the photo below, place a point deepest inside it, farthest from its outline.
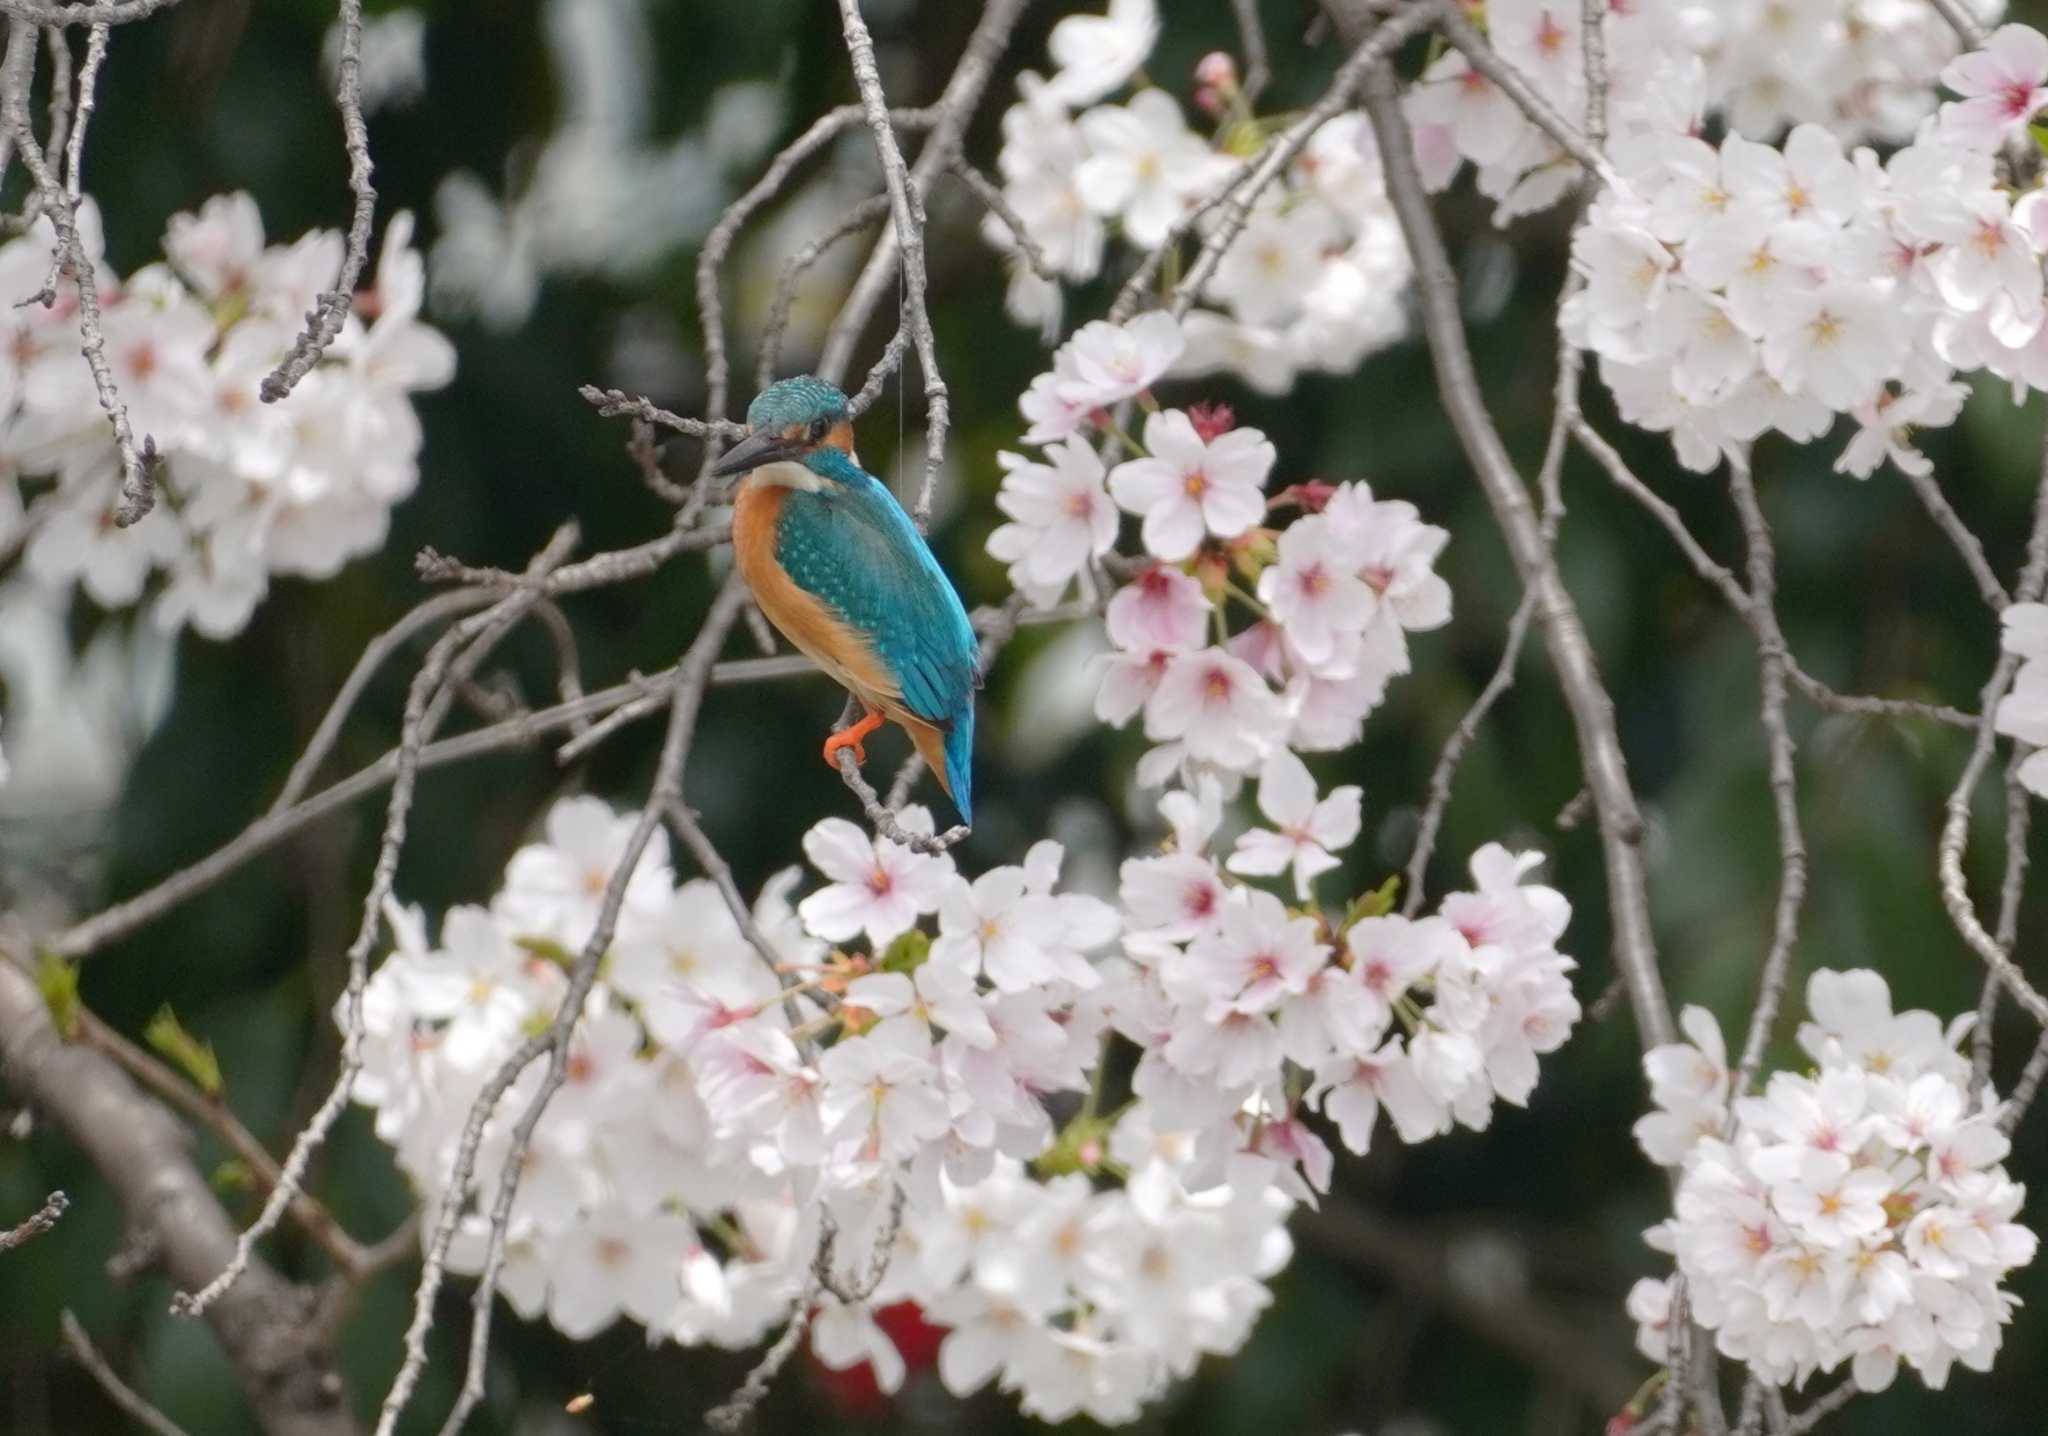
(837, 565)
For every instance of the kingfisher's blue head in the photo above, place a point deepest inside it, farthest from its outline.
(791, 421)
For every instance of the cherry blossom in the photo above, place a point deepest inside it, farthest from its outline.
(1187, 487)
(1098, 53)
(2002, 86)
(1815, 1220)
(1306, 833)
(1061, 518)
(879, 887)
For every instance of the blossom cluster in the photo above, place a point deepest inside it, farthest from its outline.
(1312, 283)
(1859, 70)
(246, 489)
(1734, 290)
(1332, 595)
(889, 1068)
(1857, 1213)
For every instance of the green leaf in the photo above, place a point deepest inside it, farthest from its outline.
(58, 981)
(1377, 903)
(186, 1052)
(907, 953)
(2040, 134)
(546, 949)
(1083, 1146)
(233, 1175)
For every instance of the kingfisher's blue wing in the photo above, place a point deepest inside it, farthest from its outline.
(853, 547)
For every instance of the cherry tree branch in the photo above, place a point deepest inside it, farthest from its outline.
(1592, 709)
(287, 1371)
(1771, 664)
(118, 1391)
(331, 309)
(36, 1223)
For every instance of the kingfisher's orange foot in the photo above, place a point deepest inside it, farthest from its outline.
(851, 738)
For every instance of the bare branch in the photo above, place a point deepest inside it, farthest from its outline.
(324, 321)
(2018, 820)
(613, 402)
(1621, 826)
(1955, 832)
(1593, 43)
(869, 211)
(88, 82)
(118, 1391)
(1451, 22)
(138, 466)
(884, 820)
(692, 677)
(1771, 663)
(1453, 753)
(1822, 1408)
(104, 12)
(906, 208)
(1966, 543)
(426, 702)
(215, 1116)
(37, 1222)
(950, 114)
(991, 196)
(1962, 22)
(1258, 67)
(286, 1372)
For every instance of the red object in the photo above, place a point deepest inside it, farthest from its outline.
(1621, 1422)
(853, 1391)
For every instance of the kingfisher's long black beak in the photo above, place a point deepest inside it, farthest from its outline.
(763, 446)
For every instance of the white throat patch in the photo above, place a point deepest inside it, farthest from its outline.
(785, 474)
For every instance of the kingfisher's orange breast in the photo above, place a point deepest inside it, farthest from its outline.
(806, 622)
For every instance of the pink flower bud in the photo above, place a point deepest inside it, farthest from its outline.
(1217, 70)
(1211, 419)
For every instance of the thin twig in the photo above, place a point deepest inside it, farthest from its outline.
(1822, 1408)
(1958, 15)
(869, 211)
(718, 244)
(950, 114)
(1966, 543)
(1272, 161)
(37, 1223)
(425, 702)
(692, 677)
(906, 208)
(118, 1391)
(1955, 832)
(1258, 67)
(1465, 37)
(1592, 709)
(88, 81)
(1763, 588)
(215, 1115)
(324, 320)
(885, 821)
(138, 466)
(1453, 753)
(998, 204)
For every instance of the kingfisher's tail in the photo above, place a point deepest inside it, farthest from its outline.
(960, 762)
(949, 753)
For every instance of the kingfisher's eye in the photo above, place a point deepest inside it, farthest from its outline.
(820, 427)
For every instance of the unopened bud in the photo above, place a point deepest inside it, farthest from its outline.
(1211, 419)
(1218, 71)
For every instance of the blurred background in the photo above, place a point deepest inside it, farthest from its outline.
(579, 152)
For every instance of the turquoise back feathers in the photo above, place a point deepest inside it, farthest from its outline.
(851, 545)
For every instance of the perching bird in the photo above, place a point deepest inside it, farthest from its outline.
(836, 564)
